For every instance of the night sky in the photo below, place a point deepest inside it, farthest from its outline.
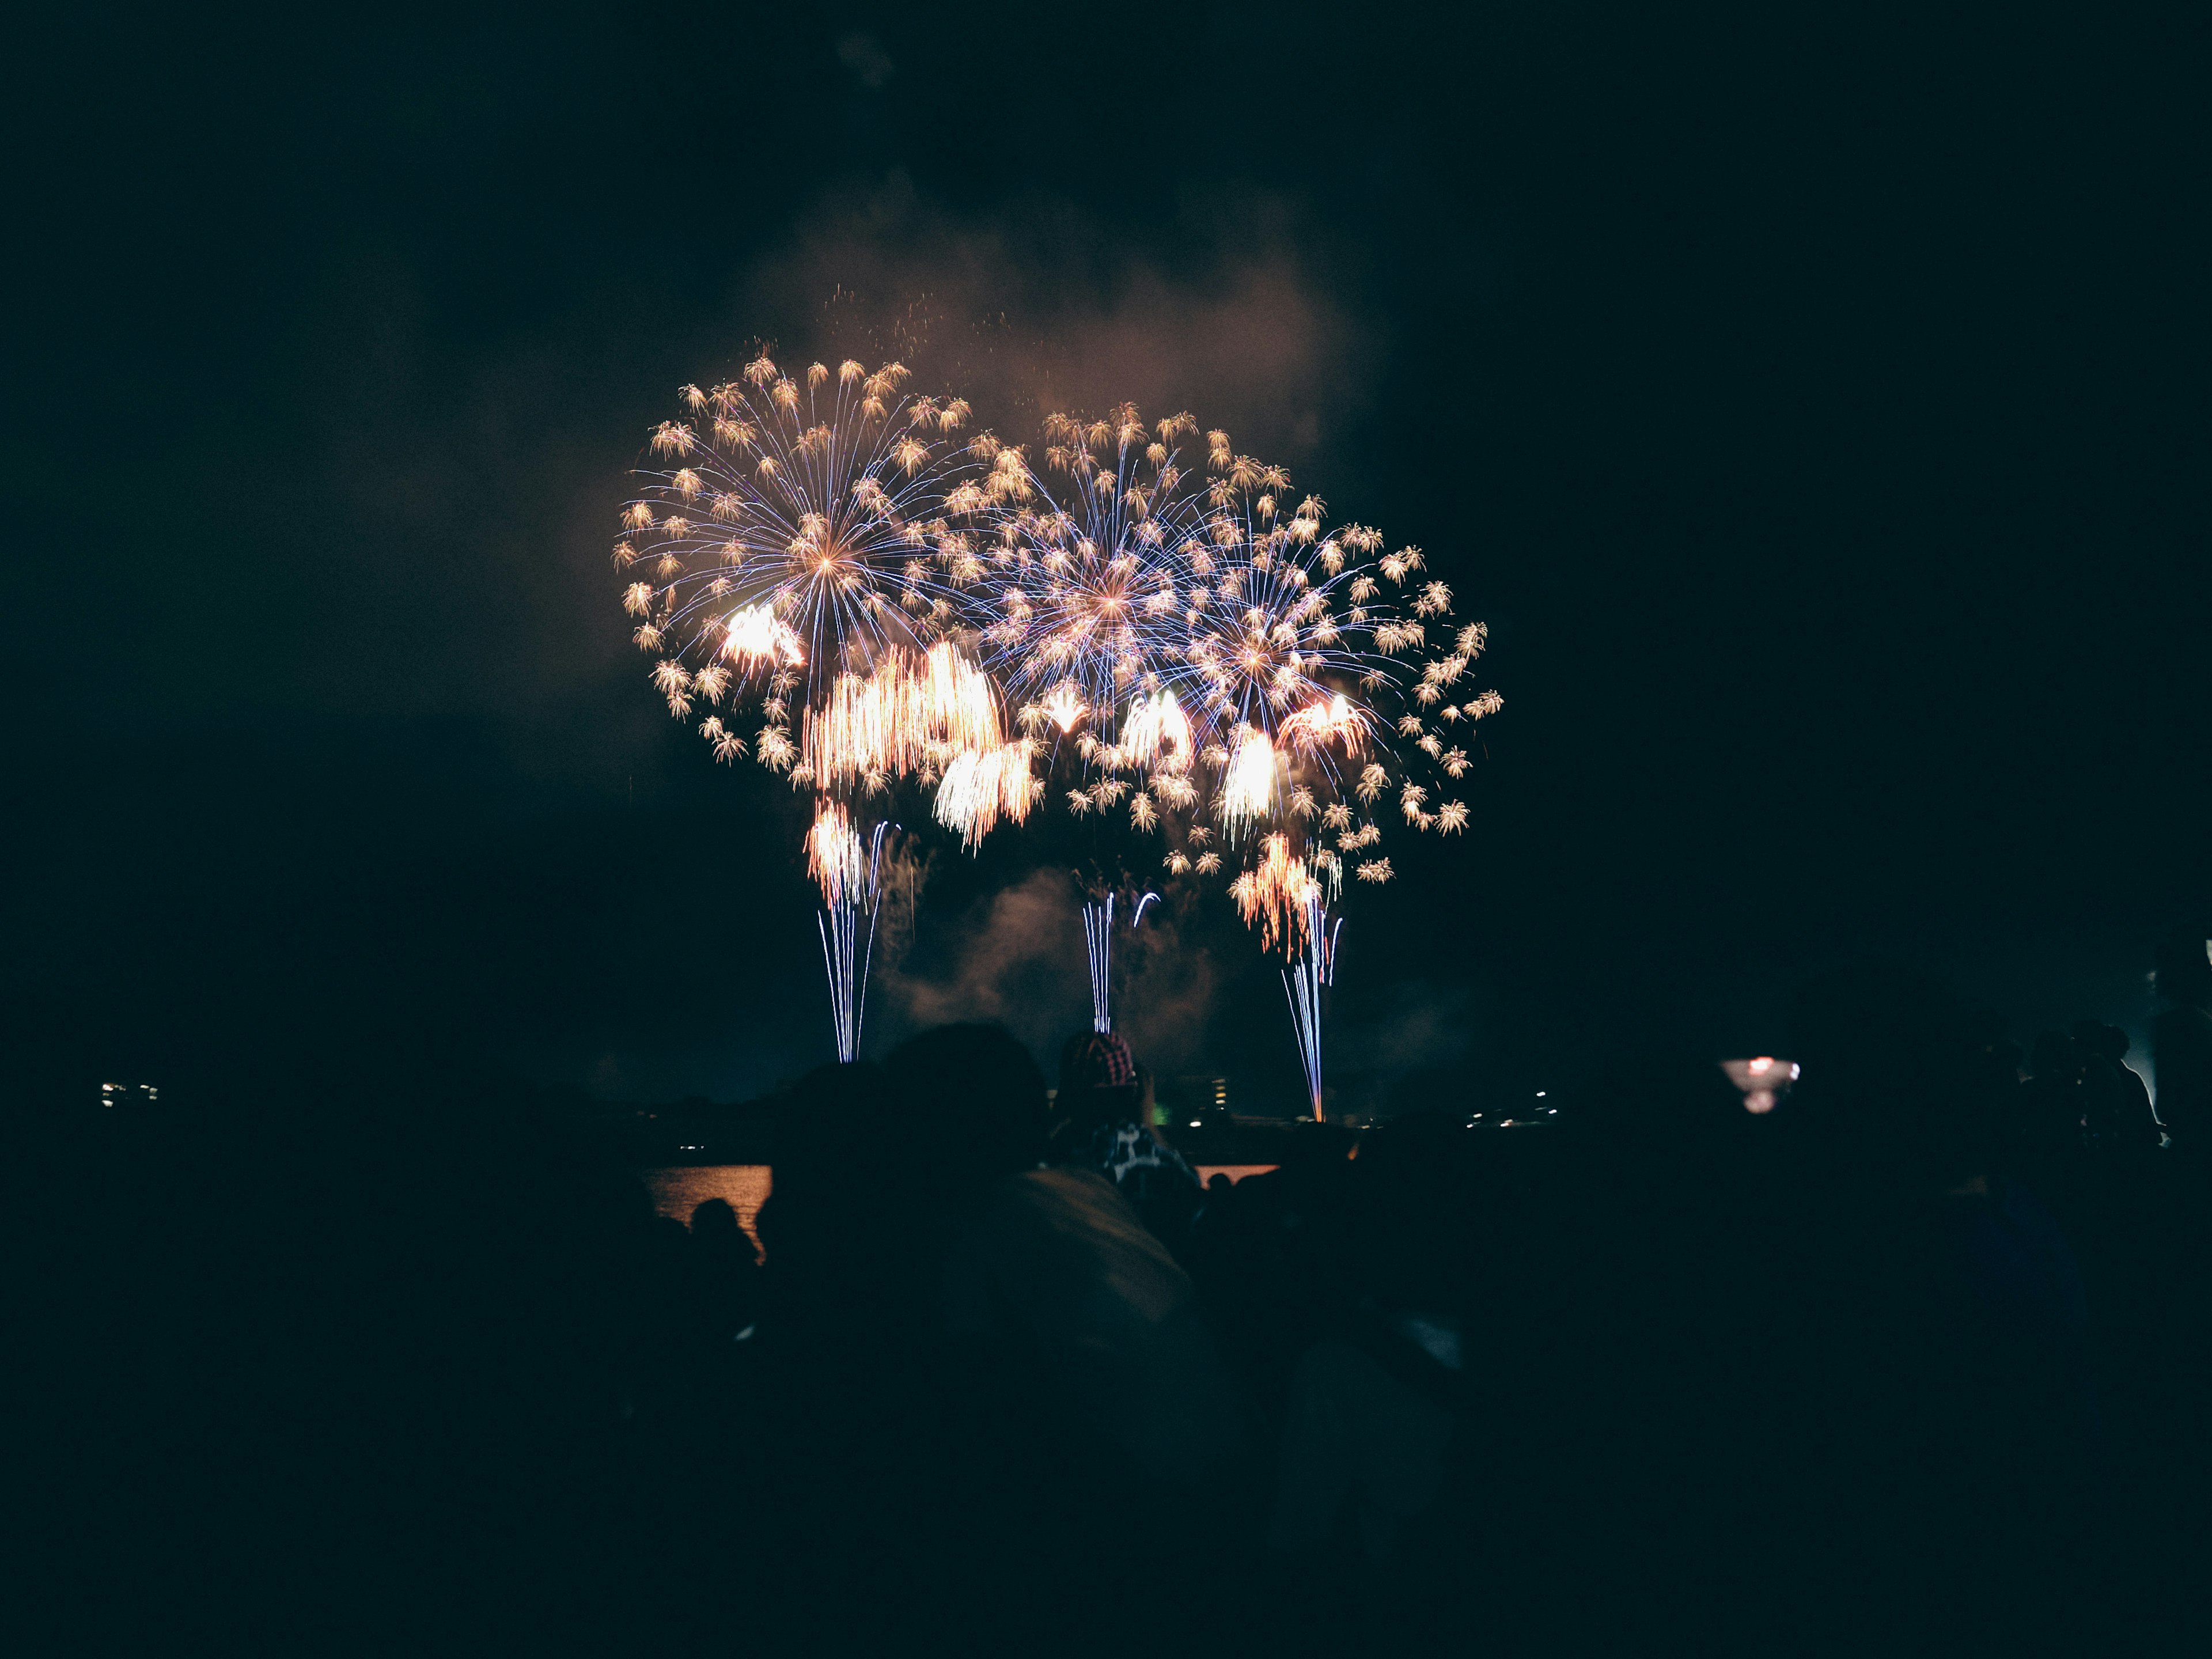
(1812, 401)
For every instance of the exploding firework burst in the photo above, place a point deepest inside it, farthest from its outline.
(790, 532)
(1087, 613)
(799, 560)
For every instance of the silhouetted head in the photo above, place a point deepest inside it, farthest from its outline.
(715, 1220)
(1892, 1073)
(976, 1093)
(2184, 968)
(1098, 1080)
(2096, 1037)
(1989, 1031)
(2054, 1055)
(834, 1155)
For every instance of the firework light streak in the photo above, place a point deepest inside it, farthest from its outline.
(1304, 981)
(905, 717)
(1274, 896)
(1098, 935)
(1248, 786)
(848, 875)
(981, 786)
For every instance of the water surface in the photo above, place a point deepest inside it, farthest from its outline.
(678, 1189)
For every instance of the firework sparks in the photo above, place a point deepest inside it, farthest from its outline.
(1247, 785)
(1303, 981)
(1335, 721)
(1157, 733)
(846, 867)
(981, 786)
(836, 857)
(756, 637)
(1098, 935)
(906, 715)
(788, 536)
(1063, 706)
(1275, 894)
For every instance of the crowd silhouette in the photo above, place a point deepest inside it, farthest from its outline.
(1914, 1357)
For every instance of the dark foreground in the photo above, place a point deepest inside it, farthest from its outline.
(1888, 1368)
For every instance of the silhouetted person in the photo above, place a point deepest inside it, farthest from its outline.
(852, 1408)
(2116, 1107)
(2048, 1106)
(1945, 1365)
(1104, 1122)
(2181, 1041)
(1376, 1406)
(724, 1265)
(1085, 1407)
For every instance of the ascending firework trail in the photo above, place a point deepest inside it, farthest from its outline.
(1099, 902)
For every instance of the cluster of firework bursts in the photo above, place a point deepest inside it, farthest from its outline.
(838, 578)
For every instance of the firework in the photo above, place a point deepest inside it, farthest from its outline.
(1248, 783)
(1088, 610)
(1157, 731)
(792, 531)
(982, 785)
(908, 715)
(799, 560)
(847, 868)
(1276, 895)
(1098, 935)
(1205, 648)
(1304, 981)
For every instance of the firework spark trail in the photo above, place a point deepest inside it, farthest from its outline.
(1303, 984)
(851, 887)
(1098, 935)
(980, 787)
(1277, 896)
(906, 716)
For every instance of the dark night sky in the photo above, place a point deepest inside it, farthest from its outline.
(1812, 401)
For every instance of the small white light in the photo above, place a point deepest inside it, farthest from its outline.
(1195, 1124)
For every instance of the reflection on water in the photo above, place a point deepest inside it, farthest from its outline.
(677, 1192)
(745, 1187)
(1235, 1172)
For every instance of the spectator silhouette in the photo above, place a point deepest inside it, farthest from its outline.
(1104, 1122)
(1950, 1358)
(724, 1268)
(2116, 1106)
(2181, 1040)
(2049, 1128)
(1085, 1406)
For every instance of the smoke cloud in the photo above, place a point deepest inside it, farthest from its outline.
(1018, 958)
